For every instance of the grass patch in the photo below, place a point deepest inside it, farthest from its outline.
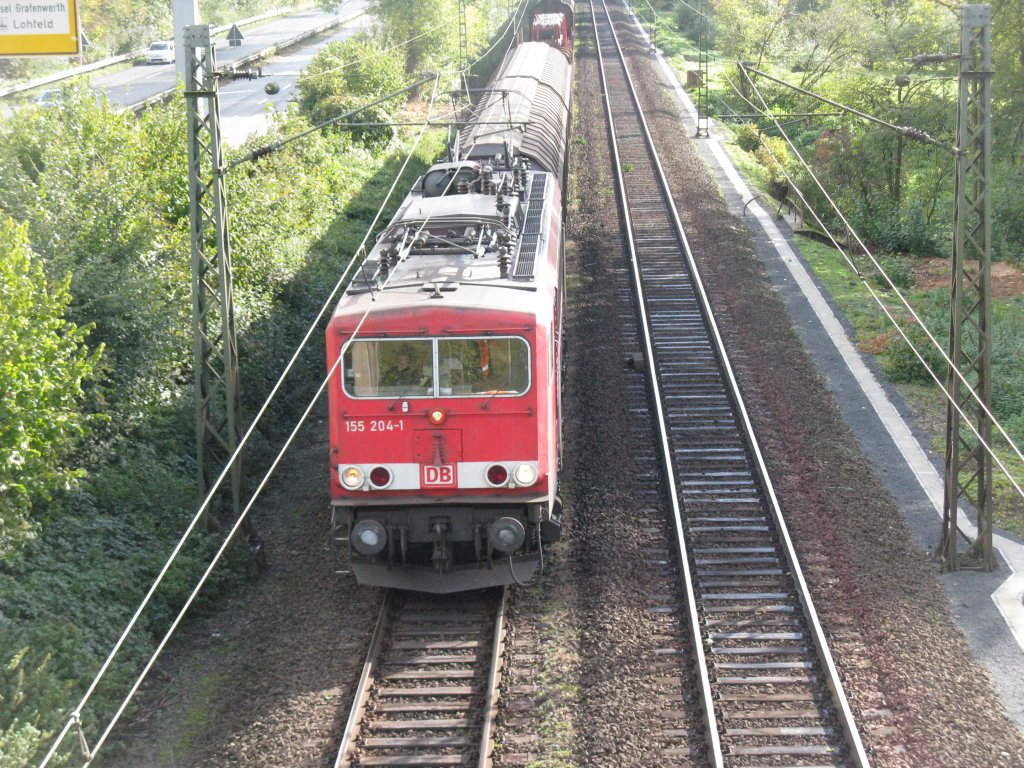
(874, 334)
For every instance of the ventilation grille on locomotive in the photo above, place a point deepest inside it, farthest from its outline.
(530, 240)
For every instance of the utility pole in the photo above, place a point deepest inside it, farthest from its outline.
(218, 412)
(703, 42)
(968, 462)
(463, 41)
(186, 13)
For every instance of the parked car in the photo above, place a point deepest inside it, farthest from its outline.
(50, 98)
(161, 52)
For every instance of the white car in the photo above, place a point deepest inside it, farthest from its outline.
(51, 98)
(160, 53)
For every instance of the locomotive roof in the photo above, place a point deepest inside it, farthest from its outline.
(548, 19)
(449, 209)
(448, 249)
(556, 6)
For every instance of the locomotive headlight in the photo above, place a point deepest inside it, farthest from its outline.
(506, 534)
(351, 477)
(525, 474)
(368, 537)
(437, 417)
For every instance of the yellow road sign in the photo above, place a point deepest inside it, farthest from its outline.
(39, 28)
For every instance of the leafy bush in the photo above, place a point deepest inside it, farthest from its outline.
(748, 138)
(346, 75)
(688, 21)
(43, 364)
(1007, 343)
(102, 203)
(894, 229)
(27, 690)
(426, 32)
(105, 202)
(1008, 213)
(105, 199)
(773, 155)
(898, 270)
(1008, 367)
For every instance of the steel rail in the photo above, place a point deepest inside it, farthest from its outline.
(845, 715)
(493, 683)
(415, 671)
(696, 640)
(355, 717)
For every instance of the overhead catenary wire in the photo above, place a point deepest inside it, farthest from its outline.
(918, 321)
(514, 21)
(75, 716)
(903, 300)
(913, 133)
(206, 574)
(280, 455)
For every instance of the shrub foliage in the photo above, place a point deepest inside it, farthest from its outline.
(44, 360)
(96, 432)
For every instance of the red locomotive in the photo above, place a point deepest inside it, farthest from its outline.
(445, 352)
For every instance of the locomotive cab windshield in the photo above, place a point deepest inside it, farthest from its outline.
(441, 367)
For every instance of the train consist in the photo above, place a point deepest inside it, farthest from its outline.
(445, 349)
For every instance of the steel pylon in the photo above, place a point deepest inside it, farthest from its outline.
(968, 462)
(703, 43)
(218, 418)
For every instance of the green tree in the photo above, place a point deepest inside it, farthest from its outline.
(751, 29)
(43, 363)
(122, 26)
(346, 75)
(105, 197)
(824, 38)
(1008, 85)
(426, 29)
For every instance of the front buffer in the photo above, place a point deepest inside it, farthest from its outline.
(444, 548)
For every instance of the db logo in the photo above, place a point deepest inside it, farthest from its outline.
(442, 476)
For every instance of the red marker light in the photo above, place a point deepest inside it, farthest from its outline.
(437, 417)
(380, 477)
(497, 475)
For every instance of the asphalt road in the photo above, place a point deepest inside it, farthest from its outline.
(245, 106)
(243, 102)
(136, 84)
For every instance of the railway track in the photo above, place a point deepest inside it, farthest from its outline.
(770, 691)
(429, 686)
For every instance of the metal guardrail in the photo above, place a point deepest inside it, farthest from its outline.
(263, 53)
(109, 62)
